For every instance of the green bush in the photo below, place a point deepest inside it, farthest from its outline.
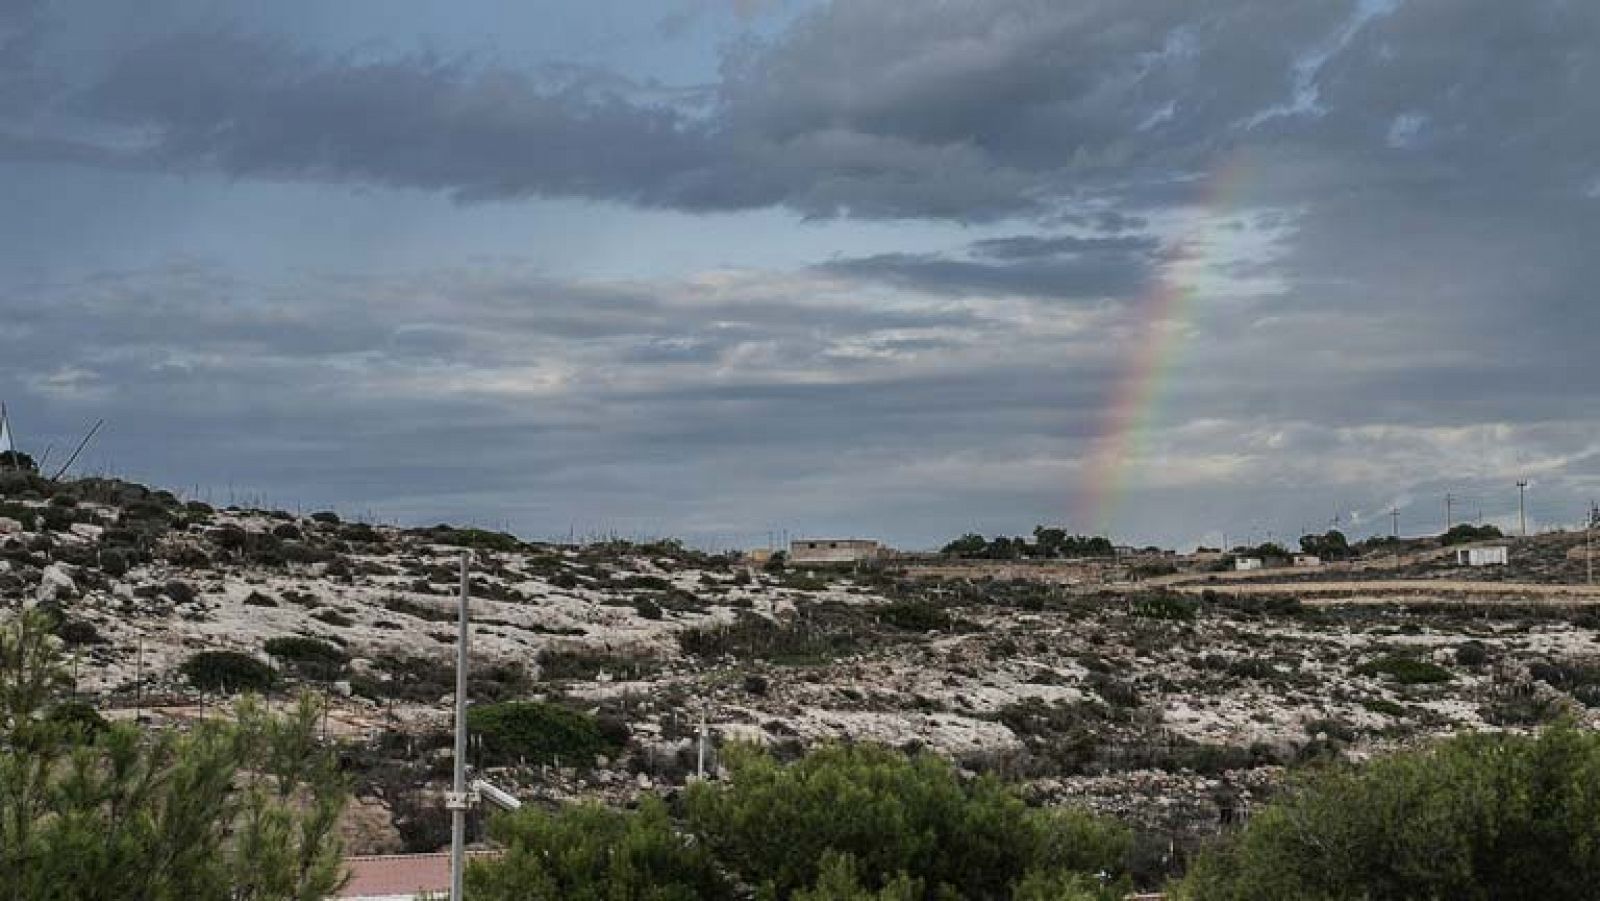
(1579, 679)
(78, 717)
(1472, 653)
(22, 514)
(309, 657)
(840, 880)
(1467, 533)
(592, 853)
(1405, 670)
(1478, 817)
(79, 632)
(479, 539)
(780, 827)
(536, 732)
(228, 671)
(916, 616)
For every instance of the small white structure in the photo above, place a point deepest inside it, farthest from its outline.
(1245, 564)
(1307, 560)
(1498, 555)
(833, 550)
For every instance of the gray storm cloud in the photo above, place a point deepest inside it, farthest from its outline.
(1396, 295)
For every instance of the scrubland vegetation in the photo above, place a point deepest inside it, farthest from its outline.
(1102, 736)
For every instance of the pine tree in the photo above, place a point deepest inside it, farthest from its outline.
(243, 810)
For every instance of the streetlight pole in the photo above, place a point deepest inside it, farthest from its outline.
(457, 802)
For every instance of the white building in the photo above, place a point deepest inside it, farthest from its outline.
(1245, 564)
(833, 550)
(1499, 555)
(1307, 560)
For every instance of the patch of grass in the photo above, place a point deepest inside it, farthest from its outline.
(1384, 706)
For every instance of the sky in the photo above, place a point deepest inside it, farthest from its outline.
(1173, 272)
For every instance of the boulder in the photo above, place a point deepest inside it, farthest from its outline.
(56, 583)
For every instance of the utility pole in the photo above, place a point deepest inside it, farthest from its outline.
(1394, 523)
(1449, 502)
(457, 801)
(1522, 505)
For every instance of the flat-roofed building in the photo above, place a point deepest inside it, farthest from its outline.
(1498, 555)
(834, 550)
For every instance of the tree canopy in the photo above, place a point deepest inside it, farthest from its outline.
(1048, 543)
(1467, 532)
(1330, 545)
(844, 823)
(241, 809)
(1481, 816)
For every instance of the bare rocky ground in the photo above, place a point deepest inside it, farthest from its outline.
(1179, 711)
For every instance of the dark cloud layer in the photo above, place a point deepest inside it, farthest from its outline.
(1379, 217)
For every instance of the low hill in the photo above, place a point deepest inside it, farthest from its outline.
(1178, 712)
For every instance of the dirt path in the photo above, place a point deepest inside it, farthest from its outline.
(1388, 591)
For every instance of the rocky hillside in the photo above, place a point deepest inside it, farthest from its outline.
(1175, 711)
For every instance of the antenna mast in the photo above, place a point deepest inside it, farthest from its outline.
(81, 445)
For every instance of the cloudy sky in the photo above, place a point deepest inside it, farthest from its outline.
(1166, 269)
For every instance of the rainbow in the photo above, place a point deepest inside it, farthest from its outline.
(1159, 318)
